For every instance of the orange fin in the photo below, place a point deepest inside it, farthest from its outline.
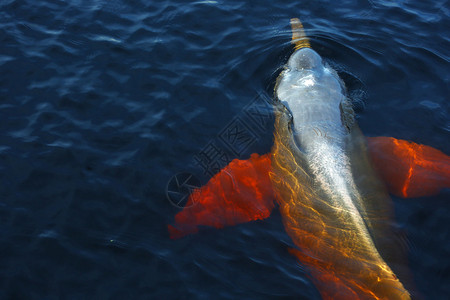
(409, 169)
(239, 193)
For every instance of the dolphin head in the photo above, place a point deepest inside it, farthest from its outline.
(305, 59)
(314, 95)
(306, 79)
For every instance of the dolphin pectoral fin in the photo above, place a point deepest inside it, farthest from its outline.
(239, 193)
(409, 169)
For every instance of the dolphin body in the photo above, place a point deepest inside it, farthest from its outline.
(333, 205)
(332, 212)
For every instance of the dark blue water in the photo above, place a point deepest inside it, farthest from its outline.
(102, 102)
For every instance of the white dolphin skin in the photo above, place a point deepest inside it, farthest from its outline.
(315, 95)
(333, 205)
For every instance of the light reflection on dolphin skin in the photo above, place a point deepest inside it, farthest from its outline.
(333, 205)
(319, 196)
(334, 238)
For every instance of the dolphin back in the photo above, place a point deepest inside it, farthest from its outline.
(343, 259)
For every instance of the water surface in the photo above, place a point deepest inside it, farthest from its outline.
(102, 102)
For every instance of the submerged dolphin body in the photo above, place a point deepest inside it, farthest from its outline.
(331, 214)
(333, 206)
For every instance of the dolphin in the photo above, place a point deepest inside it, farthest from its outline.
(317, 159)
(320, 174)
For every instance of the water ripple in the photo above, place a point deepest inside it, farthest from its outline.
(103, 101)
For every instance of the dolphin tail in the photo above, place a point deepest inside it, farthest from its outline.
(299, 38)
